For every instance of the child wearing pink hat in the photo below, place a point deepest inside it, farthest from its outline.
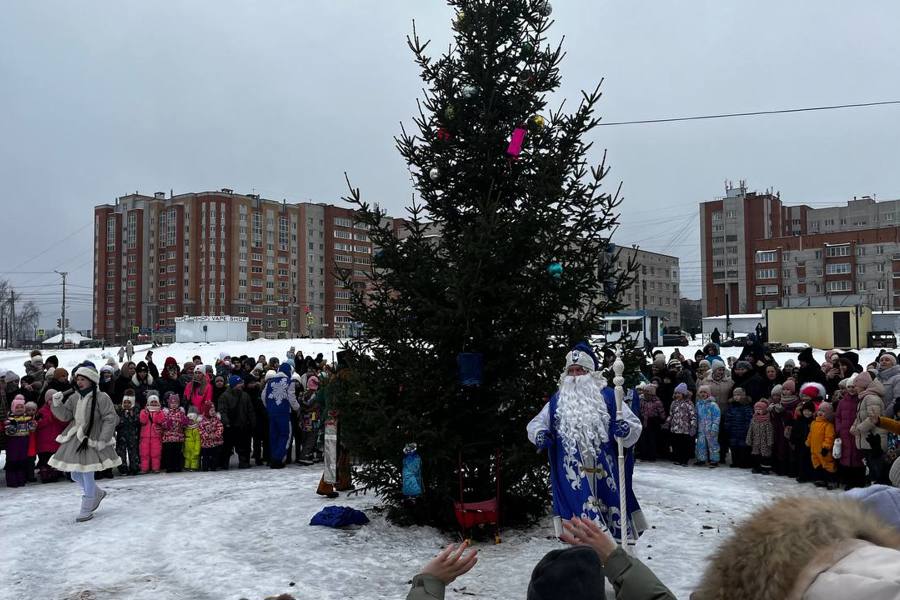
(18, 429)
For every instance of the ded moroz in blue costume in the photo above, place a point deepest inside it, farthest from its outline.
(579, 429)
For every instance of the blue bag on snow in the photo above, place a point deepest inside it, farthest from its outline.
(339, 516)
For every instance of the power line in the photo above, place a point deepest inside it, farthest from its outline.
(752, 113)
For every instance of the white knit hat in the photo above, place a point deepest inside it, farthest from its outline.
(88, 373)
(895, 473)
(582, 358)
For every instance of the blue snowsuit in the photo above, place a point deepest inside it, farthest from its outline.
(279, 397)
(708, 415)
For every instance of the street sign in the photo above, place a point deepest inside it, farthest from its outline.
(283, 323)
(310, 319)
(135, 329)
(40, 333)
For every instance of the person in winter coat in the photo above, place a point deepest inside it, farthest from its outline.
(152, 419)
(121, 354)
(889, 376)
(143, 383)
(192, 440)
(780, 445)
(760, 438)
(871, 440)
(682, 424)
(174, 422)
(48, 429)
(852, 471)
(18, 429)
(168, 380)
(708, 417)
(107, 383)
(129, 351)
(653, 415)
(800, 429)
(128, 435)
(737, 423)
(211, 430)
(814, 548)
(280, 397)
(253, 387)
(199, 390)
(809, 370)
(88, 443)
(123, 382)
(820, 442)
(749, 380)
(771, 378)
(720, 386)
(789, 402)
(239, 419)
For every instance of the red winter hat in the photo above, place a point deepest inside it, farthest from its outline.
(812, 390)
(170, 362)
(761, 405)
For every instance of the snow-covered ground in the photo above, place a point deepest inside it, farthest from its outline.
(228, 535)
(245, 533)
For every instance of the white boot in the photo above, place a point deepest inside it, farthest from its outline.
(86, 514)
(95, 501)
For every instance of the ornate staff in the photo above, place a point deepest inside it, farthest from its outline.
(619, 382)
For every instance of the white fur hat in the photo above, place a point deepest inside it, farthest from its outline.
(88, 373)
(582, 358)
(269, 374)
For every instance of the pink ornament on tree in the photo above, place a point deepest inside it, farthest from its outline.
(515, 143)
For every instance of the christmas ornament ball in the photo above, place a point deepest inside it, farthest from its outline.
(555, 270)
(450, 112)
(538, 121)
(434, 173)
(546, 9)
(469, 91)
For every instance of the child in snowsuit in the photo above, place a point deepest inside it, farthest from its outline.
(173, 434)
(151, 435)
(192, 441)
(799, 434)
(128, 436)
(737, 422)
(760, 438)
(31, 409)
(211, 430)
(708, 416)
(653, 415)
(820, 442)
(17, 429)
(682, 425)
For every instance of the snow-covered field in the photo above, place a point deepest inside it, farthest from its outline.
(228, 535)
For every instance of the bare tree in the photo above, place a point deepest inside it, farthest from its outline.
(27, 318)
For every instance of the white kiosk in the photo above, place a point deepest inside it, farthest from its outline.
(211, 329)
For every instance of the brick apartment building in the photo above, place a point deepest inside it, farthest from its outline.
(757, 253)
(223, 253)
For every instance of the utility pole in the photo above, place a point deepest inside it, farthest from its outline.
(64, 274)
(11, 320)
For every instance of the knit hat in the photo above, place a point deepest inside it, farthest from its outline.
(199, 368)
(682, 389)
(790, 363)
(11, 376)
(18, 402)
(761, 405)
(152, 402)
(674, 362)
(704, 364)
(891, 358)
(863, 380)
(704, 388)
(743, 364)
(170, 362)
(88, 372)
(813, 390)
(582, 355)
(659, 361)
(883, 500)
(572, 573)
(107, 369)
(776, 390)
(235, 380)
(37, 360)
(827, 411)
(60, 373)
(172, 398)
(789, 387)
(716, 364)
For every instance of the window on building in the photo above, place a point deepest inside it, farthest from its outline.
(766, 256)
(879, 249)
(837, 268)
(343, 258)
(344, 235)
(717, 216)
(843, 250)
(843, 285)
(767, 290)
(860, 269)
(343, 222)
(766, 273)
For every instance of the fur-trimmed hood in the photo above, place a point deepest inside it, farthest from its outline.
(772, 551)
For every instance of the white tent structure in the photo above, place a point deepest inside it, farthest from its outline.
(72, 337)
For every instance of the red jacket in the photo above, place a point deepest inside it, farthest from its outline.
(48, 428)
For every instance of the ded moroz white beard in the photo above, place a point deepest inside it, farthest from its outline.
(582, 420)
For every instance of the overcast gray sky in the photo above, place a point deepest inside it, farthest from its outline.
(99, 99)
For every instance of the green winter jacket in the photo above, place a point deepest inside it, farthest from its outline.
(631, 579)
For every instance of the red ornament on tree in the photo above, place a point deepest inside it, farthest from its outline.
(443, 135)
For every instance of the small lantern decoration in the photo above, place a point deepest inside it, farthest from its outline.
(412, 471)
(555, 269)
(471, 367)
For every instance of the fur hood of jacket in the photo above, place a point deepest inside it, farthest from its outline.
(751, 564)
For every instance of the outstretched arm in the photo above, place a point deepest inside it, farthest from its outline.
(539, 427)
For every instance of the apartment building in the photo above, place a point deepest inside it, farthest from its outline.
(757, 253)
(224, 253)
(656, 289)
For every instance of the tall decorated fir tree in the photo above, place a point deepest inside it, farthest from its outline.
(506, 256)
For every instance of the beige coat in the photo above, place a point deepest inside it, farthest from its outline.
(869, 401)
(806, 548)
(720, 390)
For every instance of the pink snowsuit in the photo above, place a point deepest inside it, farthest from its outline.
(199, 397)
(151, 439)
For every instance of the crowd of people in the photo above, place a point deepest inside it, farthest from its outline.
(833, 424)
(184, 417)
